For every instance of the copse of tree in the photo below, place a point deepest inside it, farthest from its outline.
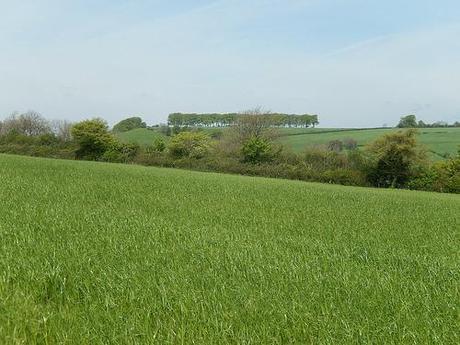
(230, 119)
(251, 138)
(129, 124)
(30, 123)
(410, 121)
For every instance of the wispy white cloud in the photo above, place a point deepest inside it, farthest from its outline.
(224, 56)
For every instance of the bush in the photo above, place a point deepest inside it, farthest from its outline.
(443, 176)
(396, 158)
(348, 177)
(320, 159)
(159, 145)
(257, 150)
(48, 139)
(189, 145)
(93, 139)
(120, 153)
(350, 144)
(335, 145)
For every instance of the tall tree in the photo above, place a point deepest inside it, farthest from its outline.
(408, 121)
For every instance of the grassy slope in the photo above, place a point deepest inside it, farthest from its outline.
(439, 140)
(93, 253)
(141, 136)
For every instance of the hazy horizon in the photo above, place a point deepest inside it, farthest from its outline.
(355, 63)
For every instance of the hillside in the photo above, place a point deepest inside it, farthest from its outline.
(141, 136)
(438, 141)
(106, 253)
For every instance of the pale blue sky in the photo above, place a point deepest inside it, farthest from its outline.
(353, 62)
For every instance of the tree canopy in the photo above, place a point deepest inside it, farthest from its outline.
(410, 121)
(129, 124)
(228, 119)
(93, 138)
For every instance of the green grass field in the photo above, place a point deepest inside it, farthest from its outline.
(141, 136)
(437, 140)
(94, 253)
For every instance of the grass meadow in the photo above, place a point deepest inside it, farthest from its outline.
(94, 253)
(140, 136)
(438, 141)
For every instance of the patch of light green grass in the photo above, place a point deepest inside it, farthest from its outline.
(141, 136)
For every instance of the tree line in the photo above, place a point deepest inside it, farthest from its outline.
(410, 121)
(229, 119)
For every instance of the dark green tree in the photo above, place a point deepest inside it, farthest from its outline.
(395, 159)
(408, 121)
(129, 124)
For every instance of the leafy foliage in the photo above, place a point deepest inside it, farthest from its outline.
(159, 145)
(223, 120)
(257, 150)
(93, 138)
(129, 124)
(189, 145)
(410, 121)
(395, 159)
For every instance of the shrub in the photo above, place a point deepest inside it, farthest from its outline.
(396, 158)
(189, 144)
(159, 145)
(257, 150)
(350, 144)
(348, 177)
(48, 139)
(93, 139)
(120, 153)
(443, 176)
(320, 159)
(335, 145)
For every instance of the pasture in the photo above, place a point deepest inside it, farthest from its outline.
(140, 136)
(94, 253)
(438, 141)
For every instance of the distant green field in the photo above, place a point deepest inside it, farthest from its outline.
(141, 136)
(94, 253)
(437, 140)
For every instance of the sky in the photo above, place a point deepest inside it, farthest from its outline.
(355, 63)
